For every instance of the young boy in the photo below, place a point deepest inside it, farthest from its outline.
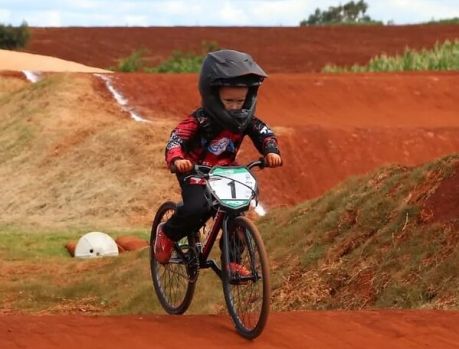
(211, 135)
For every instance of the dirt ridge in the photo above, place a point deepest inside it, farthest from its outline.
(278, 49)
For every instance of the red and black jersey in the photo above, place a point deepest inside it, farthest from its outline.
(199, 140)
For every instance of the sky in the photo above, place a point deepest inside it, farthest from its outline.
(61, 13)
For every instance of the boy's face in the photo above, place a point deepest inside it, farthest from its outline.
(233, 98)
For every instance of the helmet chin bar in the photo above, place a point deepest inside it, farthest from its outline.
(235, 120)
(239, 114)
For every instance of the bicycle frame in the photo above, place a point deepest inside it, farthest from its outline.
(220, 221)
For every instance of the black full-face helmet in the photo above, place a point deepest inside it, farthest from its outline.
(229, 68)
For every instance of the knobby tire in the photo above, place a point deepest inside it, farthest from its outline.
(248, 302)
(171, 282)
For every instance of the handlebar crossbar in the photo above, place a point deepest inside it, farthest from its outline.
(202, 170)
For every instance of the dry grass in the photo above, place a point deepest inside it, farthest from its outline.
(72, 161)
(75, 159)
(367, 243)
(10, 84)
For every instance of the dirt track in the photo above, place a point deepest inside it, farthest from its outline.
(315, 330)
(278, 49)
(330, 126)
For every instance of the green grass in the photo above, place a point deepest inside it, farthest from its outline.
(454, 20)
(132, 63)
(40, 276)
(443, 56)
(20, 243)
(178, 62)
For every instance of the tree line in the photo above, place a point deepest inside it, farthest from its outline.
(14, 37)
(353, 12)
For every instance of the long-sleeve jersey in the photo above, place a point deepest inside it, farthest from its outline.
(199, 140)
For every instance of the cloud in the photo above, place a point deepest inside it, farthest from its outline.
(5, 16)
(43, 17)
(283, 12)
(413, 11)
(136, 21)
(230, 14)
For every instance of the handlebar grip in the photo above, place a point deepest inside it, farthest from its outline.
(262, 162)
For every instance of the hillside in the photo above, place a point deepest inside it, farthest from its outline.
(72, 157)
(389, 239)
(385, 240)
(277, 49)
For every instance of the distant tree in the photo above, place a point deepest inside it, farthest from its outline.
(14, 37)
(349, 13)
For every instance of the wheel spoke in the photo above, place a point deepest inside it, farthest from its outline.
(247, 298)
(170, 280)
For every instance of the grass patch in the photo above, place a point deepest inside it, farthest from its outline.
(132, 63)
(443, 56)
(38, 276)
(19, 244)
(454, 20)
(178, 62)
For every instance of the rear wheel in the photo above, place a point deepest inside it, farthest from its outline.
(171, 281)
(246, 287)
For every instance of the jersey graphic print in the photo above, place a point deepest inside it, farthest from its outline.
(218, 146)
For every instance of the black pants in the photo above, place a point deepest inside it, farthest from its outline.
(192, 214)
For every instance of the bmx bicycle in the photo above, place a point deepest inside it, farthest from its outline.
(229, 191)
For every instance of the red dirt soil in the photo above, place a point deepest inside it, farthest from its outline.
(329, 126)
(443, 204)
(318, 330)
(277, 49)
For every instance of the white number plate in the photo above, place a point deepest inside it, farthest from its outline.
(232, 186)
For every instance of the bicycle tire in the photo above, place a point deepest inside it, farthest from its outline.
(171, 281)
(248, 302)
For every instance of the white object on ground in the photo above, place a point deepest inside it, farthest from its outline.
(96, 244)
(32, 76)
(120, 99)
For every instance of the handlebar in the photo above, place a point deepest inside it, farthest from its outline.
(260, 163)
(203, 169)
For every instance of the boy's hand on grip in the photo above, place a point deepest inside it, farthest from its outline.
(273, 160)
(183, 165)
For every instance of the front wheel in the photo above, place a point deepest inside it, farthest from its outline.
(172, 284)
(246, 284)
